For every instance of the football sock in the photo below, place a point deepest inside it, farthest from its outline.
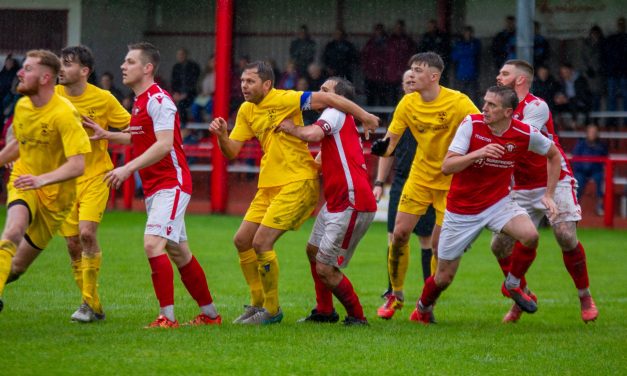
(209, 310)
(269, 272)
(522, 258)
(91, 269)
(506, 263)
(250, 269)
(163, 282)
(195, 281)
(168, 311)
(575, 262)
(345, 293)
(77, 273)
(7, 251)
(398, 261)
(427, 254)
(387, 256)
(430, 292)
(324, 295)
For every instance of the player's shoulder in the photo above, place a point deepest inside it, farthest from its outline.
(23, 103)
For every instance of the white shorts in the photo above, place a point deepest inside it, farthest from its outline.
(166, 214)
(568, 209)
(460, 230)
(336, 235)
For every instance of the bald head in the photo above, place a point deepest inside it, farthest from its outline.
(409, 82)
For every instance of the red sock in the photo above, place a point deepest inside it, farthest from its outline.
(195, 282)
(506, 264)
(162, 279)
(430, 292)
(575, 262)
(522, 258)
(346, 295)
(324, 295)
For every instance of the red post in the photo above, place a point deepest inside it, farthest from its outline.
(224, 44)
(608, 218)
(128, 186)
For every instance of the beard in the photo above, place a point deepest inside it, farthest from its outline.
(26, 90)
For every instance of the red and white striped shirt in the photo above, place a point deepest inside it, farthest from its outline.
(530, 172)
(487, 181)
(344, 175)
(154, 111)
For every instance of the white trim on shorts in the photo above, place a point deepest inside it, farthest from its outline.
(336, 235)
(166, 214)
(459, 231)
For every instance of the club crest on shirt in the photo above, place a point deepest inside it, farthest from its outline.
(442, 116)
(91, 113)
(510, 147)
(272, 117)
(516, 116)
(136, 110)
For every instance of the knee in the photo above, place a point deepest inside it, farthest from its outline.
(567, 240)
(152, 247)
(87, 238)
(242, 243)
(262, 243)
(444, 279)
(329, 275)
(17, 268)
(401, 237)
(530, 238)
(74, 247)
(500, 247)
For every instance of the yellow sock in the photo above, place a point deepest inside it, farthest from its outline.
(434, 264)
(91, 269)
(7, 251)
(77, 273)
(248, 263)
(398, 262)
(269, 273)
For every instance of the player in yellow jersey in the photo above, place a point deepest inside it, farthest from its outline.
(432, 113)
(79, 229)
(49, 148)
(288, 181)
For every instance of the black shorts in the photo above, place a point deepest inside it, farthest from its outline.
(424, 227)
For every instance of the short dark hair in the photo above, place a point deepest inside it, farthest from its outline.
(149, 52)
(430, 58)
(79, 54)
(47, 58)
(343, 87)
(264, 70)
(507, 94)
(522, 65)
(107, 74)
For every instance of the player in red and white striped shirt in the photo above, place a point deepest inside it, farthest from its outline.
(157, 150)
(349, 209)
(482, 158)
(530, 185)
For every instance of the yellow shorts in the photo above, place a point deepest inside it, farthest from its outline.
(91, 202)
(416, 199)
(44, 223)
(285, 207)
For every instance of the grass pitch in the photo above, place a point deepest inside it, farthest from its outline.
(37, 337)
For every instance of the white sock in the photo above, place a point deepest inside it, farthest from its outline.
(209, 310)
(399, 295)
(584, 292)
(511, 281)
(168, 311)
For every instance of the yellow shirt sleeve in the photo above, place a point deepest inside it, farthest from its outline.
(400, 118)
(73, 136)
(117, 115)
(243, 130)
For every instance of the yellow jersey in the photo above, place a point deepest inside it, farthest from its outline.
(286, 159)
(433, 125)
(47, 136)
(102, 107)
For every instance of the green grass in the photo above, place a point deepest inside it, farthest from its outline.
(36, 336)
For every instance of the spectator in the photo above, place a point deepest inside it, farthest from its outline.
(106, 82)
(615, 60)
(591, 146)
(545, 85)
(340, 56)
(400, 48)
(185, 74)
(302, 84)
(437, 41)
(315, 75)
(541, 48)
(504, 43)
(466, 57)
(592, 57)
(303, 50)
(573, 94)
(204, 100)
(373, 61)
(275, 68)
(8, 75)
(289, 78)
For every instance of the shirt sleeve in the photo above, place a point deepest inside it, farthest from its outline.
(331, 121)
(117, 116)
(242, 130)
(538, 143)
(536, 114)
(461, 141)
(399, 118)
(73, 135)
(162, 111)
